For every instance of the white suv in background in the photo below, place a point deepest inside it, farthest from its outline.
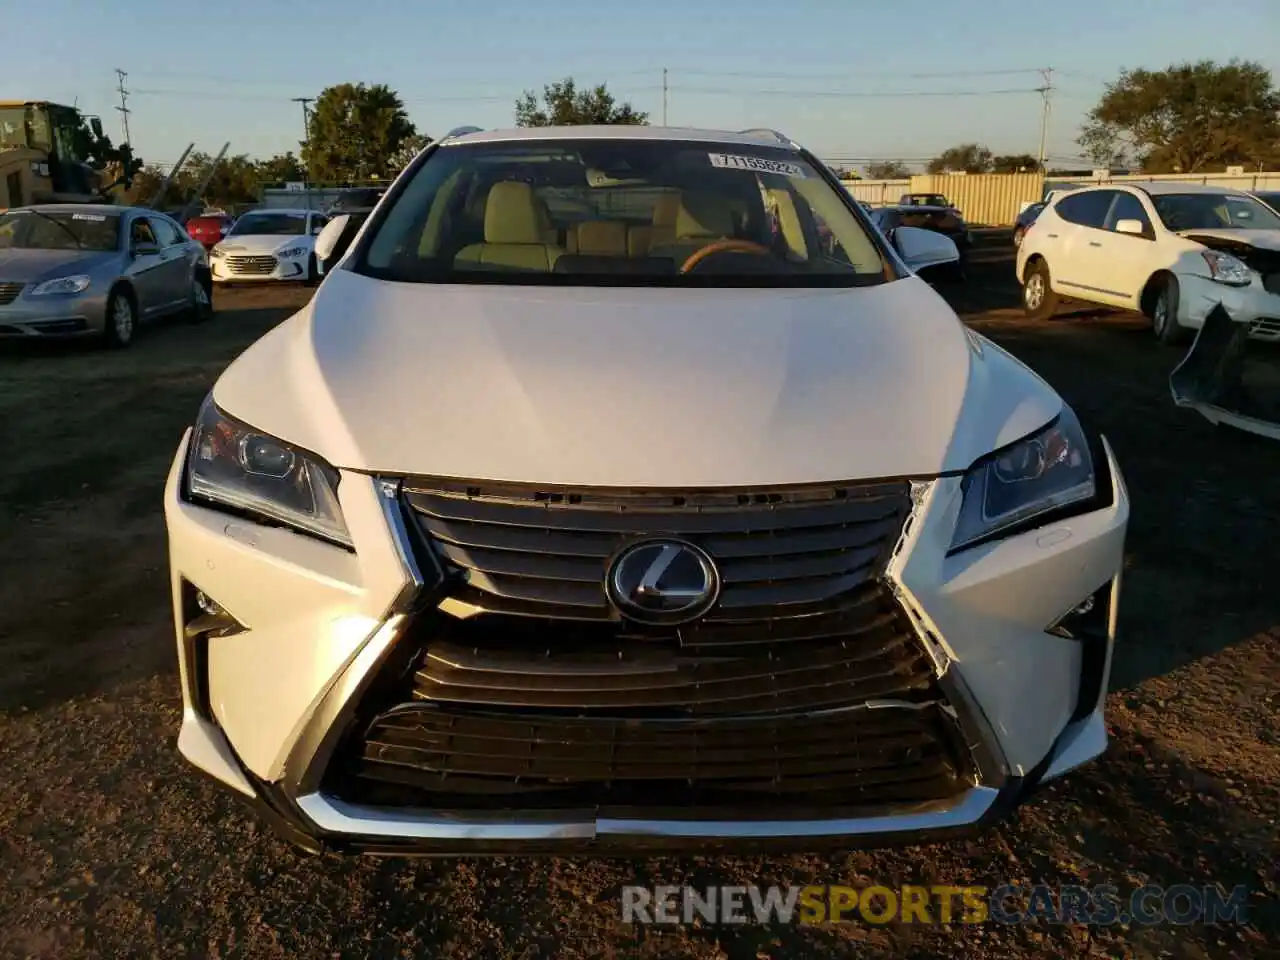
(1172, 251)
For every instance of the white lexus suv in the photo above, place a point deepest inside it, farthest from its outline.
(623, 488)
(1170, 250)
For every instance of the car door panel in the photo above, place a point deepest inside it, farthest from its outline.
(146, 270)
(175, 265)
(1132, 259)
(1083, 269)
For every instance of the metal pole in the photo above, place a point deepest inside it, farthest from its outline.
(664, 96)
(124, 102)
(1047, 73)
(306, 122)
(189, 209)
(171, 174)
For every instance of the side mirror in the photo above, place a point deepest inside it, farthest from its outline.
(332, 241)
(1132, 227)
(146, 249)
(921, 248)
(317, 230)
(96, 126)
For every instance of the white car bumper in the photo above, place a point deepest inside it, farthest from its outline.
(290, 705)
(246, 268)
(1254, 304)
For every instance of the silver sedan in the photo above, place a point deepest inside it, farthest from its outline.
(76, 270)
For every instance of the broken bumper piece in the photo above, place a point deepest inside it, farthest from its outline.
(1229, 377)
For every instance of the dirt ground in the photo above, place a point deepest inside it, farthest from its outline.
(111, 846)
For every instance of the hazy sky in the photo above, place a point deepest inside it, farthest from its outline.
(830, 73)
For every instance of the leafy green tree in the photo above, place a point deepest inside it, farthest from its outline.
(563, 104)
(356, 132)
(1186, 118)
(887, 170)
(282, 168)
(410, 148)
(1015, 163)
(965, 158)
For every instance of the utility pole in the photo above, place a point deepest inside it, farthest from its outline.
(306, 121)
(124, 101)
(664, 96)
(1045, 91)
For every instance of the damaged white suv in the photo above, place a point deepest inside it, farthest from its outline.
(624, 488)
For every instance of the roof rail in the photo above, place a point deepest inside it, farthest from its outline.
(461, 132)
(765, 131)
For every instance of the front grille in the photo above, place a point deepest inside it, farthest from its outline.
(252, 266)
(9, 291)
(539, 552)
(804, 685)
(1268, 327)
(421, 754)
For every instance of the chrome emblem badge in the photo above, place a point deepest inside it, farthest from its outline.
(662, 582)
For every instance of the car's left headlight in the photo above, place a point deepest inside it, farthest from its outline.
(1032, 478)
(73, 284)
(233, 465)
(291, 252)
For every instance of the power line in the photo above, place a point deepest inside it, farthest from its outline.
(124, 101)
(860, 94)
(856, 73)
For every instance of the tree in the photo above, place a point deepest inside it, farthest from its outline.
(355, 132)
(1186, 118)
(563, 104)
(965, 158)
(887, 170)
(282, 168)
(1015, 163)
(411, 147)
(846, 173)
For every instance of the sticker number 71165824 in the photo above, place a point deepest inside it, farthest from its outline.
(728, 161)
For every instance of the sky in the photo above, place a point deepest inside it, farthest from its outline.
(847, 78)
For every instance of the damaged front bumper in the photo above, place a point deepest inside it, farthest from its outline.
(1229, 376)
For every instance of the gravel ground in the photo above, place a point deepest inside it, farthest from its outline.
(111, 846)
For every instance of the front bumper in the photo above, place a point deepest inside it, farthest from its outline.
(257, 269)
(268, 709)
(82, 314)
(1254, 305)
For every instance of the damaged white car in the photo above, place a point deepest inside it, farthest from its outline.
(623, 488)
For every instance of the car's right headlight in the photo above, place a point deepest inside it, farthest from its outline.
(1227, 269)
(232, 465)
(1046, 472)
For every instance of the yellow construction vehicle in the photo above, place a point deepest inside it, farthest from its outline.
(43, 155)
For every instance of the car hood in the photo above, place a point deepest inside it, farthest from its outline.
(35, 266)
(634, 386)
(254, 243)
(1259, 239)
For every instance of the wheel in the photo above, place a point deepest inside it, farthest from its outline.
(201, 308)
(313, 274)
(1164, 314)
(122, 320)
(1038, 299)
(1017, 237)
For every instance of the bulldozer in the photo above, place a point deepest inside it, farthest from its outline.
(43, 155)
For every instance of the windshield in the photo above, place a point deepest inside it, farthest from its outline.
(924, 200)
(60, 230)
(1210, 211)
(624, 212)
(13, 127)
(1270, 199)
(271, 224)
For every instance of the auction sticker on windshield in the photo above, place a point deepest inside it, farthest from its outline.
(92, 217)
(729, 161)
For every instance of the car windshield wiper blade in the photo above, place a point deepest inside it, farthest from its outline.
(69, 232)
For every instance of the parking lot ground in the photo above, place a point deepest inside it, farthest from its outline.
(111, 846)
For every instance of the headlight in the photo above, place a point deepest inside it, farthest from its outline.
(235, 466)
(1227, 269)
(292, 252)
(1043, 473)
(217, 251)
(74, 284)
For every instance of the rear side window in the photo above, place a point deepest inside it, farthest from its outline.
(1088, 209)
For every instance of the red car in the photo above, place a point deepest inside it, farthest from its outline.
(209, 230)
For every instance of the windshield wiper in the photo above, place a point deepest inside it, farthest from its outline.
(67, 230)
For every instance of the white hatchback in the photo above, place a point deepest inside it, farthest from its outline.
(267, 245)
(1170, 250)
(622, 487)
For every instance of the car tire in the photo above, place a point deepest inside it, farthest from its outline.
(1039, 302)
(201, 308)
(122, 319)
(1164, 313)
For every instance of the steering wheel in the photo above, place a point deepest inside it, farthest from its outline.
(724, 246)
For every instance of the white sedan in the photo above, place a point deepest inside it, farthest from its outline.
(269, 245)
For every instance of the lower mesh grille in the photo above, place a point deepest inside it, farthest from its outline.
(423, 754)
(9, 291)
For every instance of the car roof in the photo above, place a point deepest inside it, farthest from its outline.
(81, 208)
(620, 131)
(1160, 187)
(293, 210)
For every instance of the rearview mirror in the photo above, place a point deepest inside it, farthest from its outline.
(146, 249)
(332, 241)
(1134, 227)
(921, 248)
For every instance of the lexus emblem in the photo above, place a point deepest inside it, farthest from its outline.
(662, 582)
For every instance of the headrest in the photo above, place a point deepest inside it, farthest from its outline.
(511, 215)
(703, 216)
(666, 210)
(603, 238)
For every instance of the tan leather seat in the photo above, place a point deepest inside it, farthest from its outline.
(641, 239)
(789, 222)
(515, 232)
(703, 217)
(602, 238)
